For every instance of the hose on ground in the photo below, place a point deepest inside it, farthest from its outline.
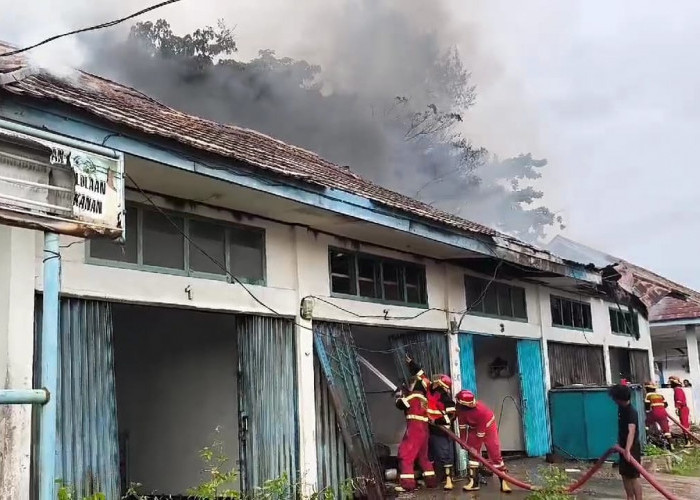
(685, 429)
(572, 487)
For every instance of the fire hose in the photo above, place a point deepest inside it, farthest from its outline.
(685, 429)
(572, 487)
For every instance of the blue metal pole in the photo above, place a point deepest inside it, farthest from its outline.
(49, 367)
(23, 396)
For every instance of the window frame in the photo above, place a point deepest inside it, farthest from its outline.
(572, 301)
(634, 319)
(379, 277)
(483, 314)
(186, 271)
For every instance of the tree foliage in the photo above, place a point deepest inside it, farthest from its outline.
(409, 140)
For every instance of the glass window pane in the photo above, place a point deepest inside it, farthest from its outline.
(415, 285)
(163, 244)
(474, 287)
(342, 276)
(367, 277)
(587, 319)
(519, 304)
(567, 313)
(211, 239)
(505, 304)
(391, 281)
(110, 250)
(491, 299)
(247, 249)
(557, 315)
(577, 310)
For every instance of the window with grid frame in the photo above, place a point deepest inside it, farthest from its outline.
(491, 298)
(376, 278)
(569, 313)
(624, 322)
(184, 244)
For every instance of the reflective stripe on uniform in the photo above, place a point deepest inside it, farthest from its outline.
(653, 405)
(428, 473)
(417, 417)
(480, 434)
(405, 402)
(493, 419)
(416, 396)
(473, 463)
(420, 373)
(407, 476)
(450, 409)
(463, 426)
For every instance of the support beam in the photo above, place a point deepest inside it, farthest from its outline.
(23, 396)
(49, 367)
(691, 340)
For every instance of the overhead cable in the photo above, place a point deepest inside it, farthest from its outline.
(108, 24)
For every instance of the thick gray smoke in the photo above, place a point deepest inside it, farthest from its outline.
(387, 100)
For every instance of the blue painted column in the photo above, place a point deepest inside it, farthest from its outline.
(49, 367)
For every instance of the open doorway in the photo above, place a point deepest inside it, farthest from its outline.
(498, 385)
(176, 381)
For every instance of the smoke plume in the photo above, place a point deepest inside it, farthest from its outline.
(386, 91)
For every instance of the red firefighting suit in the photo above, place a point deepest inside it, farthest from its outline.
(414, 445)
(441, 411)
(681, 406)
(655, 405)
(481, 423)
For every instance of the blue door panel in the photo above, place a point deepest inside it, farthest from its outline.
(534, 398)
(466, 361)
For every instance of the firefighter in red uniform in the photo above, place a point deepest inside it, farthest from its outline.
(655, 405)
(414, 445)
(682, 409)
(441, 410)
(481, 423)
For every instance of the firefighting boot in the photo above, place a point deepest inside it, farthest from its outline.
(448, 478)
(473, 479)
(505, 487)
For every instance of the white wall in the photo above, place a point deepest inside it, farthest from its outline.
(16, 356)
(671, 410)
(495, 392)
(176, 373)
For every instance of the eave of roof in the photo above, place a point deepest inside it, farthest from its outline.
(124, 106)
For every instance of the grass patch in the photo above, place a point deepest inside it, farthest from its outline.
(555, 482)
(687, 463)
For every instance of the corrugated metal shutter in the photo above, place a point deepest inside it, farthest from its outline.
(267, 400)
(335, 349)
(466, 361)
(534, 398)
(429, 350)
(334, 463)
(575, 364)
(639, 366)
(88, 445)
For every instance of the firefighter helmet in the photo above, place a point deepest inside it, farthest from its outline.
(443, 381)
(674, 380)
(466, 398)
(650, 385)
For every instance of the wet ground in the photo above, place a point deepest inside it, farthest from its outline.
(606, 484)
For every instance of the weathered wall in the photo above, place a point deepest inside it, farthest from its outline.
(16, 355)
(176, 384)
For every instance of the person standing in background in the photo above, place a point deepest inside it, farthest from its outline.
(681, 404)
(628, 439)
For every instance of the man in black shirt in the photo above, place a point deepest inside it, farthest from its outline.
(628, 439)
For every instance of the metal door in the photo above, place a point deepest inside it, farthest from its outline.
(87, 456)
(534, 399)
(267, 401)
(466, 361)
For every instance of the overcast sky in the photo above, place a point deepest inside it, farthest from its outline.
(604, 90)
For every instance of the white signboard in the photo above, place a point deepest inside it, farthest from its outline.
(55, 187)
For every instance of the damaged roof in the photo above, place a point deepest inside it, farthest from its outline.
(650, 288)
(125, 106)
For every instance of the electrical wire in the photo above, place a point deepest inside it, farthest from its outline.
(108, 24)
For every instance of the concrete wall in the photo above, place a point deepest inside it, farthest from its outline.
(497, 392)
(176, 384)
(16, 357)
